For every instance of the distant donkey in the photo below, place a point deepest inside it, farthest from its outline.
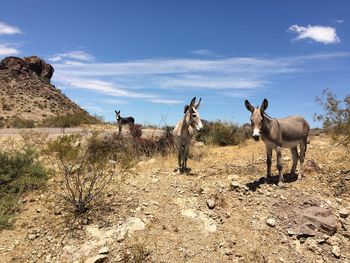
(183, 132)
(124, 120)
(277, 133)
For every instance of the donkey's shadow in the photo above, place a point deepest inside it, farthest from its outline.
(288, 178)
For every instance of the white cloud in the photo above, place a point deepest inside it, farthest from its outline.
(168, 81)
(323, 34)
(204, 52)
(6, 29)
(338, 21)
(166, 101)
(73, 55)
(8, 50)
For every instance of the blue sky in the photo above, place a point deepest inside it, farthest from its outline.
(149, 58)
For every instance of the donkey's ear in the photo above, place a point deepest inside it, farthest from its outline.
(186, 108)
(193, 101)
(115, 111)
(264, 105)
(196, 106)
(249, 106)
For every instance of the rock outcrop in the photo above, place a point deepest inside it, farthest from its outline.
(26, 95)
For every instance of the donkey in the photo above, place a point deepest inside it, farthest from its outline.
(124, 120)
(286, 132)
(183, 132)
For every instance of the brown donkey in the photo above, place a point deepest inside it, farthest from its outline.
(183, 132)
(277, 133)
(124, 120)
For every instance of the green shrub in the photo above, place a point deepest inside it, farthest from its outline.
(221, 133)
(86, 172)
(20, 123)
(19, 172)
(336, 117)
(71, 120)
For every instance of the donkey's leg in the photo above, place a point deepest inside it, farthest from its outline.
(302, 157)
(179, 158)
(295, 155)
(120, 128)
(187, 147)
(279, 163)
(268, 161)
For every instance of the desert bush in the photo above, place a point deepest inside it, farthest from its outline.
(21, 123)
(71, 120)
(127, 151)
(86, 172)
(19, 172)
(33, 138)
(336, 116)
(221, 133)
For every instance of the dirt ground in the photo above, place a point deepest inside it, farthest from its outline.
(152, 214)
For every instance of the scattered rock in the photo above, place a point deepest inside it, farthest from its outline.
(271, 222)
(343, 212)
(322, 218)
(104, 250)
(131, 225)
(97, 259)
(234, 185)
(336, 251)
(311, 166)
(304, 230)
(211, 203)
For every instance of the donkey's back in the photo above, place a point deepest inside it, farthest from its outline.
(294, 129)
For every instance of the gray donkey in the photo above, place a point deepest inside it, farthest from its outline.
(183, 132)
(124, 120)
(277, 133)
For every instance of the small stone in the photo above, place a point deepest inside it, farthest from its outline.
(333, 241)
(32, 236)
(343, 212)
(235, 185)
(336, 251)
(104, 250)
(97, 259)
(228, 252)
(211, 203)
(271, 222)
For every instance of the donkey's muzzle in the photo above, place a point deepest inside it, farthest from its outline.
(256, 137)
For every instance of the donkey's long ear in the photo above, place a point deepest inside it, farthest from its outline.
(196, 106)
(186, 108)
(249, 106)
(115, 111)
(264, 105)
(192, 102)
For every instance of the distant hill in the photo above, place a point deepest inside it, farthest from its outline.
(26, 93)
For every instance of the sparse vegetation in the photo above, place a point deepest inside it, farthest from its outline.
(71, 120)
(221, 133)
(126, 151)
(19, 172)
(86, 172)
(336, 116)
(21, 123)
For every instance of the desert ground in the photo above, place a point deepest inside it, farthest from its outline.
(221, 211)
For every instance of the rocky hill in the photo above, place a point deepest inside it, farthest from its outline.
(26, 93)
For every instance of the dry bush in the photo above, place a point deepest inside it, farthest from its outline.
(33, 138)
(336, 117)
(21, 123)
(221, 133)
(86, 172)
(71, 120)
(127, 151)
